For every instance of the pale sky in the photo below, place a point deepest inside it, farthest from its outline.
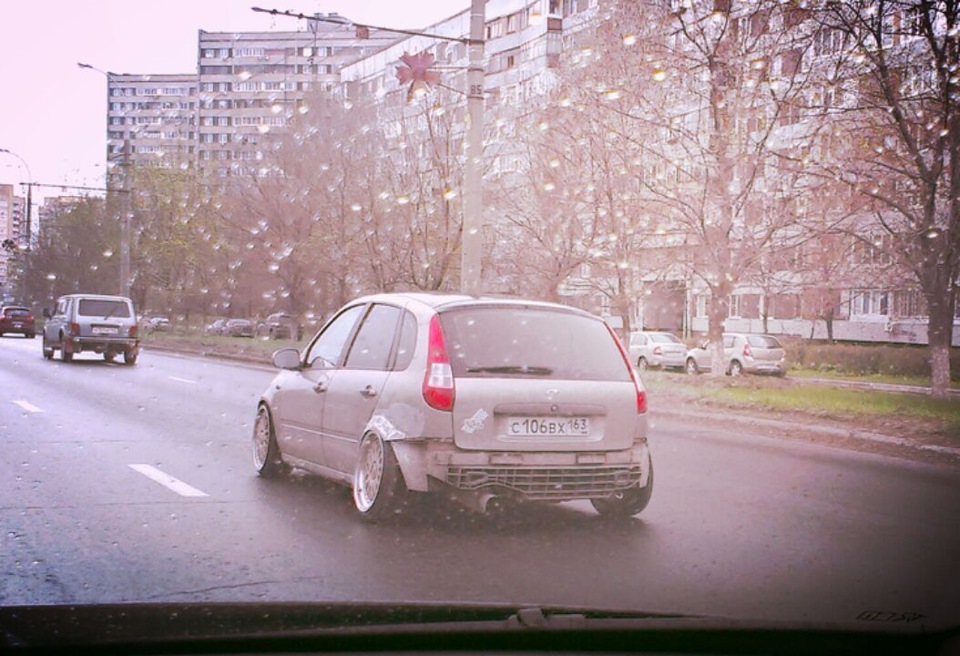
(53, 114)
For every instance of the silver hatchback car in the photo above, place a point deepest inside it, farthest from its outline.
(743, 353)
(490, 401)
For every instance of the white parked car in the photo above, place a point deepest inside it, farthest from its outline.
(743, 353)
(657, 349)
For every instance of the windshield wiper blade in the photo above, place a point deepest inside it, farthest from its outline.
(512, 369)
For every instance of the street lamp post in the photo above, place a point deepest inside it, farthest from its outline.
(124, 195)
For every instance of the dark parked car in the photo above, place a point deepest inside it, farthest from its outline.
(17, 319)
(238, 328)
(279, 325)
(482, 398)
(215, 327)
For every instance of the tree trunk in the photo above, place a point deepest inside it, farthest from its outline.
(717, 316)
(940, 335)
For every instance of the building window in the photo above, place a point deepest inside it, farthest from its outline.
(870, 302)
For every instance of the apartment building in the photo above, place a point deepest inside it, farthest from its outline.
(12, 212)
(252, 85)
(153, 118)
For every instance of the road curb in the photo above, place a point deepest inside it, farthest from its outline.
(779, 425)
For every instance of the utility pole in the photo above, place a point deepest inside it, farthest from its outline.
(472, 239)
(125, 221)
(124, 189)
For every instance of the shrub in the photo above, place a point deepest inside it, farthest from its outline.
(866, 359)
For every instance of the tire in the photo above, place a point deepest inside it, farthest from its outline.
(642, 364)
(628, 503)
(736, 369)
(266, 454)
(691, 367)
(130, 357)
(109, 356)
(30, 335)
(378, 487)
(47, 351)
(65, 355)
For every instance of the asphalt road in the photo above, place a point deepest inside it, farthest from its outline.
(123, 484)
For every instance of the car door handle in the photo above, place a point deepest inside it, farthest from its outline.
(368, 391)
(320, 387)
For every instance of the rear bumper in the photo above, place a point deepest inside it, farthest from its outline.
(101, 344)
(531, 476)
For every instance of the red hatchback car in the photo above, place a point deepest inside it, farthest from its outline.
(16, 319)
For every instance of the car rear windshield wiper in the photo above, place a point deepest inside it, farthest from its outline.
(512, 369)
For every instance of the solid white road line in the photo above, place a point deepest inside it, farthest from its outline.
(182, 380)
(168, 481)
(29, 407)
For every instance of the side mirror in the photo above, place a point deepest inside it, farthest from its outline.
(46, 313)
(286, 358)
(705, 344)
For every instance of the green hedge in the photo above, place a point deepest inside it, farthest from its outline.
(866, 359)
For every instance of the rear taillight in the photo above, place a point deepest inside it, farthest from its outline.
(74, 329)
(132, 331)
(438, 388)
(747, 353)
(634, 376)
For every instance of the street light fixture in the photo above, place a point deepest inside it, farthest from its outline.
(124, 197)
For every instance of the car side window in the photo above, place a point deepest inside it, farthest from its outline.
(728, 341)
(374, 341)
(329, 345)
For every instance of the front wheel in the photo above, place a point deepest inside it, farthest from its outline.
(691, 367)
(130, 357)
(628, 502)
(266, 453)
(47, 351)
(642, 364)
(378, 487)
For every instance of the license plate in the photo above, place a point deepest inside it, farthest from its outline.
(548, 426)
(18, 325)
(104, 330)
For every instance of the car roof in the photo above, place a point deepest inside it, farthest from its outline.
(98, 297)
(440, 301)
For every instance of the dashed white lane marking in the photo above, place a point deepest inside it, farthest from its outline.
(168, 481)
(29, 407)
(182, 380)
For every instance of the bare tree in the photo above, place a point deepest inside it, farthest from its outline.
(894, 139)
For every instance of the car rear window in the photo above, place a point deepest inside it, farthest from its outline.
(763, 341)
(518, 341)
(664, 338)
(16, 312)
(97, 307)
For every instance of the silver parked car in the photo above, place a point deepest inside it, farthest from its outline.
(755, 354)
(657, 349)
(489, 400)
(92, 322)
